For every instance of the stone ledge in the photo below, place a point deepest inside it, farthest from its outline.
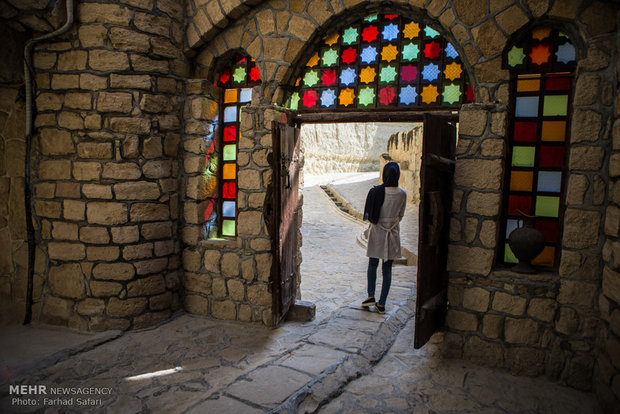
(220, 243)
(505, 275)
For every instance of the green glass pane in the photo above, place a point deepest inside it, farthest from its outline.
(523, 156)
(228, 227)
(387, 74)
(547, 206)
(239, 75)
(515, 56)
(230, 152)
(350, 36)
(410, 52)
(366, 97)
(430, 32)
(294, 101)
(451, 94)
(509, 256)
(555, 105)
(311, 78)
(371, 18)
(330, 57)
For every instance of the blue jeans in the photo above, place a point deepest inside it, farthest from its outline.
(386, 269)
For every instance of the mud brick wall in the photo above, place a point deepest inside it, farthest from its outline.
(106, 174)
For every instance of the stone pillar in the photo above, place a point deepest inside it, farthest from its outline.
(106, 204)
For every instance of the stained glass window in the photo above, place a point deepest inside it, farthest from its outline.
(382, 61)
(542, 63)
(236, 79)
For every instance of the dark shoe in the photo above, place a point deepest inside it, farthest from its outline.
(368, 302)
(380, 309)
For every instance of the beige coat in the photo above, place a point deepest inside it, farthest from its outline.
(384, 237)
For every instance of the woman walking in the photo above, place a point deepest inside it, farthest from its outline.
(385, 208)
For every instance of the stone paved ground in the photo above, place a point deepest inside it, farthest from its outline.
(333, 364)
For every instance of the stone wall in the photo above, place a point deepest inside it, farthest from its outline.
(106, 199)
(405, 148)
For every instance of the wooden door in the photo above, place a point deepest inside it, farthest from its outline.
(436, 173)
(285, 185)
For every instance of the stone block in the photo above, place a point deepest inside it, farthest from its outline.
(230, 264)
(152, 24)
(612, 221)
(64, 231)
(95, 150)
(76, 100)
(129, 40)
(73, 210)
(102, 253)
(542, 309)
(521, 331)
(86, 171)
(586, 126)
(55, 170)
(236, 290)
(106, 213)
(104, 13)
(49, 102)
(56, 311)
(492, 326)
(476, 299)
(577, 186)
(611, 284)
(65, 81)
(114, 271)
(483, 352)
(70, 120)
(488, 36)
(511, 304)
(479, 173)
(72, 60)
(581, 228)
(485, 204)
(137, 190)
(144, 64)
(472, 260)
(98, 191)
(104, 289)
(149, 212)
(138, 251)
(66, 251)
(525, 361)
(107, 61)
(130, 125)
(567, 322)
(122, 171)
(147, 267)
(126, 307)
(197, 282)
(94, 235)
(249, 223)
(92, 35)
(49, 209)
(160, 230)
(164, 248)
(586, 158)
(259, 295)
(56, 142)
(114, 102)
(93, 82)
(301, 311)
(67, 280)
(130, 81)
(225, 310)
(152, 148)
(211, 260)
(264, 262)
(581, 294)
(91, 307)
(148, 286)
(157, 169)
(196, 304)
(161, 302)
(125, 235)
(461, 321)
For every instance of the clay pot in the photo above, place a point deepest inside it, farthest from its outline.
(526, 243)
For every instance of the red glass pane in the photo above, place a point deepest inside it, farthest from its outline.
(390, 16)
(310, 98)
(522, 203)
(230, 133)
(387, 95)
(525, 131)
(469, 93)
(370, 33)
(239, 59)
(225, 76)
(432, 50)
(408, 73)
(254, 74)
(329, 77)
(549, 229)
(557, 84)
(228, 190)
(540, 55)
(209, 209)
(551, 156)
(349, 56)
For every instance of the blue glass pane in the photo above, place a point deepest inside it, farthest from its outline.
(390, 32)
(408, 95)
(228, 209)
(230, 114)
(511, 225)
(549, 181)
(431, 32)
(328, 98)
(347, 76)
(527, 106)
(451, 51)
(245, 95)
(430, 72)
(369, 54)
(565, 53)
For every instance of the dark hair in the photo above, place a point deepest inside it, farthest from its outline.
(391, 174)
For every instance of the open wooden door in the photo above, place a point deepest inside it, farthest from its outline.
(285, 185)
(436, 173)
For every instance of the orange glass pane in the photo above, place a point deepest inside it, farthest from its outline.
(367, 75)
(540, 34)
(411, 30)
(331, 40)
(229, 171)
(230, 96)
(389, 53)
(346, 96)
(521, 180)
(545, 258)
(453, 71)
(528, 85)
(429, 94)
(540, 54)
(314, 60)
(553, 130)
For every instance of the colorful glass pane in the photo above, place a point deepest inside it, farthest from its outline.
(548, 228)
(329, 77)
(521, 180)
(411, 30)
(369, 34)
(551, 156)
(410, 52)
(245, 95)
(230, 96)
(527, 106)
(228, 209)
(229, 153)
(310, 98)
(541, 33)
(452, 71)
(451, 94)
(432, 50)
(254, 74)
(350, 36)
(430, 72)
(369, 54)
(547, 206)
(348, 76)
(229, 171)
(387, 95)
(557, 84)
(429, 94)
(346, 97)
(408, 95)
(509, 256)
(408, 73)
(519, 203)
(225, 76)
(555, 105)
(523, 156)
(451, 51)
(549, 181)
(328, 98)
(332, 39)
(390, 32)
(313, 61)
(540, 55)
(387, 74)
(528, 85)
(230, 114)
(546, 257)
(371, 18)
(430, 32)
(368, 74)
(239, 75)
(565, 53)
(349, 56)
(311, 78)
(294, 101)
(516, 56)
(228, 228)
(553, 130)
(511, 225)
(366, 96)
(229, 190)
(330, 57)
(389, 53)
(230, 133)
(525, 131)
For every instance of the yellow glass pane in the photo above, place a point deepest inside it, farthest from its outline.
(553, 131)
(367, 74)
(229, 171)
(545, 258)
(389, 53)
(453, 71)
(411, 30)
(521, 180)
(540, 34)
(429, 94)
(346, 96)
(528, 85)
(314, 60)
(331, 40)
(230, 96)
